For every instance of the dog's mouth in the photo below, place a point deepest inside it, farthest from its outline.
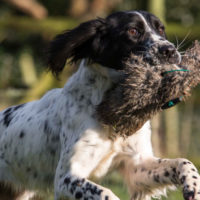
(173, 58)
(162, 55)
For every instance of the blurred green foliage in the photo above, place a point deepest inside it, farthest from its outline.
(185, 12)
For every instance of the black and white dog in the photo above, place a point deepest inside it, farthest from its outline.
(58, 142)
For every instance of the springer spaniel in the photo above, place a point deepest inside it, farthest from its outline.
(58, 142)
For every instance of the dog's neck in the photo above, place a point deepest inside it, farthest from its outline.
(94, 80)
(109, 73)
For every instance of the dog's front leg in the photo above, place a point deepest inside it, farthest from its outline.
(147, 178)
(71, 186)
(76, 165)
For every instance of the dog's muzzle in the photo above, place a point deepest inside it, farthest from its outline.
(163, 53)
(169, 54)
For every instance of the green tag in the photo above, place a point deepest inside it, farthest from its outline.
(171, 103)
(177, 70)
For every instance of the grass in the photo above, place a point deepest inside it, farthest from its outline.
(115, 183)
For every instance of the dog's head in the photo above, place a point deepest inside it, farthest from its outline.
(110, 41)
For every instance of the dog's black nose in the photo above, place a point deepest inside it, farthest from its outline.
(167, 50)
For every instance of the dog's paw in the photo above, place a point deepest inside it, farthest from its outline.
(190, 180)
(108, 195)
(188, 194)
(191, 193)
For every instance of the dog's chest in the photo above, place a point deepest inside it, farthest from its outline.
(103, 153)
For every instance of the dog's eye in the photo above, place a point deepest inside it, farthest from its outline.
(134, 32)
(161, 31)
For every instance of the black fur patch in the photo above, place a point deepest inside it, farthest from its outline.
(183, 179)
(21, 135)
(106, 198)
(156, 178)
(18, 106)
(8, 114)
(78, 195)
(166, 174)
(67, 180)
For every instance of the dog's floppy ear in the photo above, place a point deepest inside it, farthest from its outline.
(72, 44)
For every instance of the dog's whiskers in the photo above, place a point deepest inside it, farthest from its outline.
(182, 42)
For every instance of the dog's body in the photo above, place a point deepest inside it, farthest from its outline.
(58, 141)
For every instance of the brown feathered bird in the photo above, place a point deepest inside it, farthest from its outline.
(143, 90)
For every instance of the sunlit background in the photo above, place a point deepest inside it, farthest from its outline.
(27, 26)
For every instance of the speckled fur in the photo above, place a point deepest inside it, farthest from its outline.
(58, 142)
